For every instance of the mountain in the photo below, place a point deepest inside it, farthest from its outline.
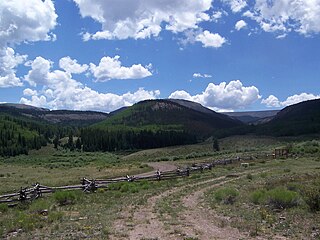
(297, 119)
(24, 127)
(253, 117)
(155, 123)
(66, 117)
(168, 114)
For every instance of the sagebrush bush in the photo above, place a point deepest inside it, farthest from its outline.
(312, 198)
(258, 196)
(65, 197)
(277, 198)
(281, 198)
(226, 195)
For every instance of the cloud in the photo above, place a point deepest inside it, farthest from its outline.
(110, 68)
(209, 39)
(29, 92)
(72, 65)
(302, 16)
(61, 91)
(240, 24)
(142, 19)
(9, 60)
(199, 75)
(31, 21)
(39, 73)
(236, 5)
(224, 96)
(273, 101)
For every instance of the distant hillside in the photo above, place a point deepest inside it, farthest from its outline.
(156, 123)
(297, 119)
(69, 117)
(169, 115)
(253, 117)
(24, 127)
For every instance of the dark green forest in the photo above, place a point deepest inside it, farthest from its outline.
(148, 124)
(18, 135)
(104, 140)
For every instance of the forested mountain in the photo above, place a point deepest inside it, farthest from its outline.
(19, 134)
(294, 120)
(155, 123)
(24, 127)
(64, 117)
(147, 124)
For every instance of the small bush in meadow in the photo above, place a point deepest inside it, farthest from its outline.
(277, 198)
(65, 197)
(282, 198)
(312, 198)
(258, 196)
(226, 195)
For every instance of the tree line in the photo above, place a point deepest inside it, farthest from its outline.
(94, 139)
(19, 135)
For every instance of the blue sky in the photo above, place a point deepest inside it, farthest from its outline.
(228, 55)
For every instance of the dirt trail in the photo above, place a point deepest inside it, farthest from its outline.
(197, 222)
(205, 224)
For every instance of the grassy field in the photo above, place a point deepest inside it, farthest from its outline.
(268, 199)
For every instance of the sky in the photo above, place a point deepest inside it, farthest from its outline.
(228, 55)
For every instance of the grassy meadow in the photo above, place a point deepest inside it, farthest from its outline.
(270, 198)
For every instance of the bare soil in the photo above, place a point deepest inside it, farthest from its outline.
(194, 222)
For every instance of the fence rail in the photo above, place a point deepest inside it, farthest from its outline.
(91, 185)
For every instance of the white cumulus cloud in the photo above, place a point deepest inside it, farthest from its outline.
(111, 68)
(9, 60)
(236, 5)
(30, 21)
(142, 19)
(209, 39)
(302, 16)
(240, 24)
(29, 92)
(61, 91)
(72, 65)
(224, 96)
(273, 101)
(22, 21)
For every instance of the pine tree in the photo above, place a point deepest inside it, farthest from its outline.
(78, 144)
(215, 145)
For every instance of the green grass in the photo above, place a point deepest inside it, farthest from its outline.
(282, 201)
(293, 181)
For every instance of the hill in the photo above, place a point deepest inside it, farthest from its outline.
(64, 117)
(294, 120)
(253, 117)
(170, 114)
(24, 127)
(156, 123)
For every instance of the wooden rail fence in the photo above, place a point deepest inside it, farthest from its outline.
(91, 185)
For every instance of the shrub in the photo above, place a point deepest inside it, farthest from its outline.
(277, 198)
(258, 196)
(226, 195)
(281, 198)
(65, 197)
(312, 198)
